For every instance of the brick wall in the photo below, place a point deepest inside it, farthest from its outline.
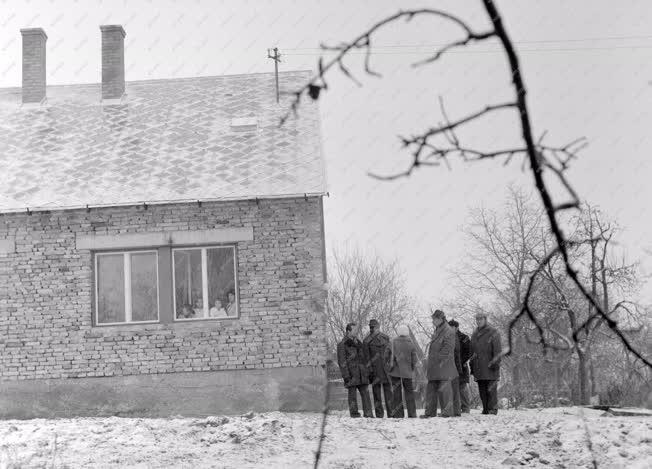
(46, 290)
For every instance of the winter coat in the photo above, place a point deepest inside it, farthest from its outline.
(353, 362)
(375, 346)
(402, 358)
(465, 355)
(441, 355)
(458, 361)
(486, 346)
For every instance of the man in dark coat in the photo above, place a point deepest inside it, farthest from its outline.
(376, 343)
(455, 383)
(353, 363)
(463, 368)
(402, 363)
(485, 364)
(441, 368)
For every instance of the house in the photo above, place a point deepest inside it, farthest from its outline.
(161, 244)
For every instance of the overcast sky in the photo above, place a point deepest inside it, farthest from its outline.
(587, 65)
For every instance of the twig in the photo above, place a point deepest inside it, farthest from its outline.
(322, 432)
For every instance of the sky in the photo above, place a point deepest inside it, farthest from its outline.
(587, 65)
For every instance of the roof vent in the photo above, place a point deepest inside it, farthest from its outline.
(243, 124)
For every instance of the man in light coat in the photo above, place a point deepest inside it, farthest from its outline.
(376, 344)
(441, 368)
(485, 363)
(402, 363)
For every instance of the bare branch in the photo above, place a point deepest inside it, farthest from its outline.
(363, 41)
(471, 37)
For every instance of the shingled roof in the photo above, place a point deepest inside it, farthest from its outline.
(176, 140)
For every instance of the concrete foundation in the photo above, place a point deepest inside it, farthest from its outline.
(164, 395)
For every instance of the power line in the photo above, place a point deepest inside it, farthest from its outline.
(497, 50)
(537, 41)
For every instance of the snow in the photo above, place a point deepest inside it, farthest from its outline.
(552, 438)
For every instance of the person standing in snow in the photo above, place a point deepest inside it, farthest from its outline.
(441, 368)
(376, 343)
(485, 363)
(402, 362)
(463, 370)
(353, 363)
(455, 383)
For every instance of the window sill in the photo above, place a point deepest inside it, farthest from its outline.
(126, 324)
(147, 327)
(189, 320)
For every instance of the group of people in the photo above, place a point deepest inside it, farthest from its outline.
(216, 311)
(390, 367)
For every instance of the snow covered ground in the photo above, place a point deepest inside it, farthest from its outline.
(535, 438)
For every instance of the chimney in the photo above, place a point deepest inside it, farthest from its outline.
(33, 64)
(113, 61)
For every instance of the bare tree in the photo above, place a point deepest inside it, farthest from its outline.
(610, 278)
(364, 286)
(505, 248)
(440, 142)
(494, 275)
(500, 259)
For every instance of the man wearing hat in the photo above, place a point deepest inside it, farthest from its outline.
(376, 344)
(455, 383)
(485, 363)
(441, 368)
(462, 366)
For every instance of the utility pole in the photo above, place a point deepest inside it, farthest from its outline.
(277, 58)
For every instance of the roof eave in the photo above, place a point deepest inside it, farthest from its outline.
(30, 210)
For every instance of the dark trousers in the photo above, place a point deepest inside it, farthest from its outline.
(386, 389)
(465, 398)
(397, 398)
(488, 390)
(439, 392)
(457, 409)
(366, 402)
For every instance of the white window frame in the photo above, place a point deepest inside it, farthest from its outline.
(204, 279)
(126, 264)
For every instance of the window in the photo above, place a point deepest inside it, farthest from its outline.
(204, 283)
(126, 287)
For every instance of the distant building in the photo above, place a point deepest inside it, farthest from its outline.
(161, 244)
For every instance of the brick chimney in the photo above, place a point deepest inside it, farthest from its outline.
(113, 61)
(33, 64)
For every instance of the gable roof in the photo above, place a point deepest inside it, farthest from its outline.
(167, 141)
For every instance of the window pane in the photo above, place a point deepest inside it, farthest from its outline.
(110, 288)
(188, 283)
(144, 292)
(221, 282)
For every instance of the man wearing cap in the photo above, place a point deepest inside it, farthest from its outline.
(441, 368)
(463, 368)
(353, 363)
(455, 383)
(376, 344)
(485, 363)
